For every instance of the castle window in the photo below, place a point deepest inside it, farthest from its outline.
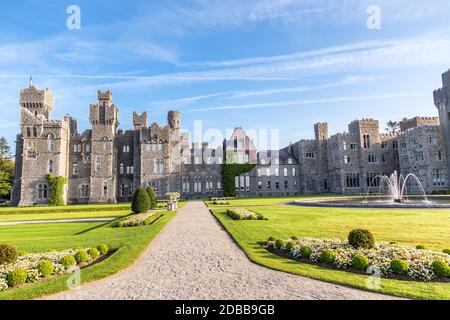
(77, 148)
(259, 172)
(289, 161)
(285, 172)
(439, 156)
(34, 132)
(105, 189)
(50, 166)
(439, 179)
(286, 184)
(98, 165)
(373, 179)
(372, 158)
(383, 144)
(84, 191)
(294, 172)
(277, 172)
(121, 168)
(259, 185)
(366, 139)
(433, 140)
(123, 190)
(126, 149)
(106, 143)
(185, 185)
(344, 145)
(75, 168)
(87, 148)
(51, 142)
(310, 155)
(352, 180)
(42, 191)
(277, 185)
(159, 166)
(130, 170)
(383, 158)
(28, 132)
(395, 144)
(353, 146)
(219, 185)
(347, 160)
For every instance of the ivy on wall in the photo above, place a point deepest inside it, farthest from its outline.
(56, 190)
(229, 173)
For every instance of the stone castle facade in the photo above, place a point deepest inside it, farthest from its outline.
(104, 164)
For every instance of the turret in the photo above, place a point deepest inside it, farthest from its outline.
(38, 102)
(174, 119)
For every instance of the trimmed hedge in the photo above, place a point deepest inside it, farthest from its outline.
(8, 254)
(153, 198)
(81, 256)
(360, 238)
(16, 277)
(103, 249)
(440, 268)
(141, 201)
(46, 268)
(305, 252)
(327, 256)
(399, 267)
(360, 262)
(68, 261)
(93, 253)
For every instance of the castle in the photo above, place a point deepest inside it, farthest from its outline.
(104, 164)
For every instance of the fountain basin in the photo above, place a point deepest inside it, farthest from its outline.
(434, 202)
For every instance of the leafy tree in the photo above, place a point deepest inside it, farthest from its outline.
(5, 183)
(6, 168)
(5, 150)
(141, 201)
(392, 126)
(153, 198)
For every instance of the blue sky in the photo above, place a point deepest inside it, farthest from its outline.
(256, 64)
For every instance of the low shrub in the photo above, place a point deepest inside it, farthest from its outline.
(51, 250)
(360, 262)
(93, 253)
(305, 252)
(81, 256)
(141, 201)
(68, 261)
(399, 267)
(421, 247)
(271, 239)
(360, 238)
(440, 268)
(120, 224)
(294, 238)
(16, 277)
(46, 268)
(289, 246)
(8, 254)
(279, 243)
(327, 256)
(447, 251)
(23, 253)
(103, 249)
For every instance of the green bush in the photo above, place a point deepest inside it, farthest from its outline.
(8, 254)
(234, 215)
(152, 218)
(94, 253)
(359, 238)
(46, 268)
(153, 198)
(51, 250)
(68, 261)
(140, 202)
(421, 247)
(271, 239)
(440, 268)
(327, 256)
(23, 253)
(399, 267)
(56, 190)
(279, 243)
(305, 252)
(120, 224)
(103, 249)
(360, 262)
(294, 238)
(447, 251)
(289, 246)
(81, 256)
(16, 277)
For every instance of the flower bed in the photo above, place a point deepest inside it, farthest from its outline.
(142, 219)
(31, 268)
(386, 260)
(243, 214)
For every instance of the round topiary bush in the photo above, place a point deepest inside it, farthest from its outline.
(103, 249)
(289, 246)
(399, 267)
(68, 261)
(294, 238)
(81, 256)
(46, 268)
(305, 252)
(153, 198)
(94, 253)
(440, 268)
(140, 202)
(16, 277)
(447, 251)
(327, 256)
(360, 238)
(271, 239)
(421, 247)
(360, 262)
(8, 254)
(279, 243)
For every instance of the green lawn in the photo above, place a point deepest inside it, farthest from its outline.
(263, 201)
(62, 215)
(411, 227)
(71, 208)
(129, 242)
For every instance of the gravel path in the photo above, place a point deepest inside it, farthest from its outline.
(195, 258)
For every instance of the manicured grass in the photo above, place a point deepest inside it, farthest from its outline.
(411, 227)
(62, 215)
(263, 201)
(71, 208)
(129, 243)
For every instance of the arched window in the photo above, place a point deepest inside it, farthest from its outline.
(42, 191)
(106, 143)
(50, 166)
(366, 138)
(84, 191)
(28, 132)
(105, 189)
(51, 142)
(121, 168)
(34, 132)
(98, 165)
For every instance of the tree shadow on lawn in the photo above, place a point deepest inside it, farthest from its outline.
(102, 225)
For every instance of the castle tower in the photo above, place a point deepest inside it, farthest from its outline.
(38, 102)
(139, 121)
(104, 118)
(174, 119)
(321, 135)
(442, 102)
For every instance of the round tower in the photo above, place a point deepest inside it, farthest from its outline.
(173, 119)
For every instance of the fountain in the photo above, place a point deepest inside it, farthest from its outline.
(392, 193)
